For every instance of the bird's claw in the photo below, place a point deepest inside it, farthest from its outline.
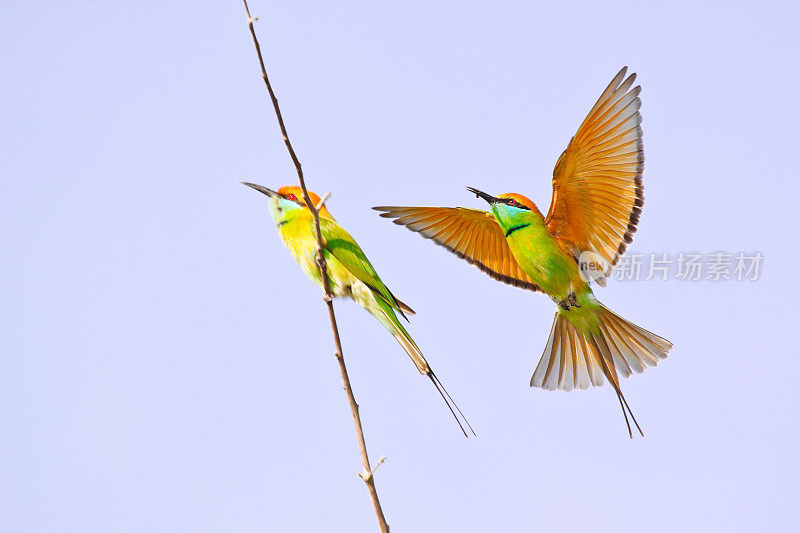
(573, 300)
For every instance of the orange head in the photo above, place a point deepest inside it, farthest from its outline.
(521, 200)
(295, 193)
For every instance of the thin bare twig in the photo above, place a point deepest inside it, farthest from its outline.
(322, 201)
(367, 474)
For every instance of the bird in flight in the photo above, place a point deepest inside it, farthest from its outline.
(594, 210)
(350, 273)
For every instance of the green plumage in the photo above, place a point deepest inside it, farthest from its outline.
(350, 273)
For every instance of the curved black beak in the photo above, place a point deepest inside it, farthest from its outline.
(480, 194)
(261, 189)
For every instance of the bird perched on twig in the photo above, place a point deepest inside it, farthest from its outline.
(595, 208)
(350, 273)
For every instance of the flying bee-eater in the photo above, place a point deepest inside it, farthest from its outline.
(594, 210)
(350, 274)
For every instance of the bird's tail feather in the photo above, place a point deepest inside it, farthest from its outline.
(574, 358)
(389, 319)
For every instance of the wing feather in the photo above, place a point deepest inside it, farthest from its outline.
(597, 181)
(346, 250)
(471, 234)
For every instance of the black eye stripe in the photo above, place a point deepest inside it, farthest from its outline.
(296, 200)
(514, 203)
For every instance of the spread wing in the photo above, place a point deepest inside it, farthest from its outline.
(346, 250)
(597, 181)
(469, 233)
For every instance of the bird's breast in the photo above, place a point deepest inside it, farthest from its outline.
(539, 256)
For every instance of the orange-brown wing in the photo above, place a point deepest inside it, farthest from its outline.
(597, 181)
(469, 233)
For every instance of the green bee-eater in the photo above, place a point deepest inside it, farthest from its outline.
(350, 273)
(595, 207)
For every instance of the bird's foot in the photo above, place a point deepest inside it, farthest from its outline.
(573, 300)
(568, 303)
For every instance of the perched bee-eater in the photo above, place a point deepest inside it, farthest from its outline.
(596, 203)
(350, 273)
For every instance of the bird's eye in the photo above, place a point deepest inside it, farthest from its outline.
(291, 196)
(512, 202)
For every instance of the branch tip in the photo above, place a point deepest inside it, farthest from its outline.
(367, 475)
(381, 459)
(322, 201)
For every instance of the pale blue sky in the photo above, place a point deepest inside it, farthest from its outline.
(165, 366)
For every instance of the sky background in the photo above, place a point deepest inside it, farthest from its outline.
(165, 365)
